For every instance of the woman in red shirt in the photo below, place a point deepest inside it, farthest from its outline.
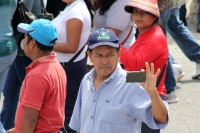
(151, 44)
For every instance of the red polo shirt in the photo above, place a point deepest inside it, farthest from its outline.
(44, 89)
(151, 47)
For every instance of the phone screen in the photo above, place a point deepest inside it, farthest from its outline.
(135, 76)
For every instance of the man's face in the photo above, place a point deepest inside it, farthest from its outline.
(25, 45)
(28, 47)
(105, 59)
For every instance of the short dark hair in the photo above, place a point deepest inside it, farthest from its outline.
(90, 50)
(42, 47)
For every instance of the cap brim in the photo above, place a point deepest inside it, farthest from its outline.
(23, 28)
(116, 45)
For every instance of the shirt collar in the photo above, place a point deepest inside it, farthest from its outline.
(92, 74)
(44, 59)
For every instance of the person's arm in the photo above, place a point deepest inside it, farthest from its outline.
(73, 29)
(159, 109)
(134, 58)
(117, 31)
(117, 19)
(33, 99)
(11, 130)
(29, 120)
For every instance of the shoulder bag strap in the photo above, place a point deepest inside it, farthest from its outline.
(75, 56)
(160, 76)
(43, 7)
(42, 3)
(127, 36)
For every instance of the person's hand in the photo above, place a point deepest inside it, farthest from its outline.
(151, 78)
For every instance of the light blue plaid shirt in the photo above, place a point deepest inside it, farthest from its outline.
(116, 107)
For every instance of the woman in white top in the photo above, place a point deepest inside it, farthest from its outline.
(110, 14)
(73, 25)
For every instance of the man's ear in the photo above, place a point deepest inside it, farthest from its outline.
(90, 56)
(32, 43)
(119, 53)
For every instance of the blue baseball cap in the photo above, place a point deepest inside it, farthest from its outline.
(42, 30)
(103, 37)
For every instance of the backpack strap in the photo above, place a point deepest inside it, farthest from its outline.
(127, 36)
(75, 56)
(161, 75)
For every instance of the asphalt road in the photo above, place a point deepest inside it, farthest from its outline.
(185, 115)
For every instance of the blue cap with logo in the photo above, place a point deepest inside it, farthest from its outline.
(103, 37)
(42, 30)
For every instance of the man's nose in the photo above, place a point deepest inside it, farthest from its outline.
(104, 60)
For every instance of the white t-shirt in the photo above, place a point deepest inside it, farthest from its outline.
(116, 17)
(77, 9)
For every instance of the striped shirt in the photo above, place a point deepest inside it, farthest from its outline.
(116, 107)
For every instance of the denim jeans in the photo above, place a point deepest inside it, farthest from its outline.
(170, 82)
(183, 37)
(198, 15)
(164, 16)
(11, 90)
(75, 73)
(5, 63)
(182, 11)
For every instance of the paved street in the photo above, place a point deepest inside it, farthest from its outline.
(184, 115)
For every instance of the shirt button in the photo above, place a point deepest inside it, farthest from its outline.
(95, 100)
(92, 117)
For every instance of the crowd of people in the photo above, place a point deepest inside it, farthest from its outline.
(72, 76)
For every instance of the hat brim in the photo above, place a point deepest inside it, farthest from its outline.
(151, 9)
(23, 28)
(115, 45)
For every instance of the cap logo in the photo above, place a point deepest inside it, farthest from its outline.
(103, 36)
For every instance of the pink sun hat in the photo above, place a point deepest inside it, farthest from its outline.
(146, 5)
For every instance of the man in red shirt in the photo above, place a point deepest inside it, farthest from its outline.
(42, 98)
